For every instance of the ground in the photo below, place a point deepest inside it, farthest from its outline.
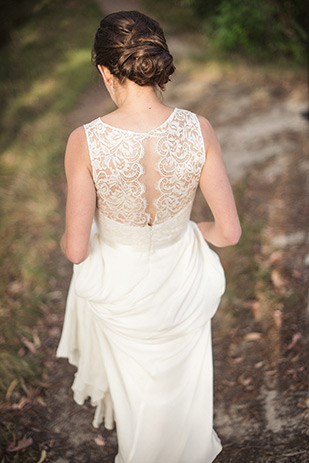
(259, 331)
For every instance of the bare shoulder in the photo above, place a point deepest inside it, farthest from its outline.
(78, 137)
(77, 142)
(77, 148)
(209, 135)
(206, 126)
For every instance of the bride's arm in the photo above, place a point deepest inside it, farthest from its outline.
(216, 189)
(81, 198)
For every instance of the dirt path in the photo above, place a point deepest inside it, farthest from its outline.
(260, 398)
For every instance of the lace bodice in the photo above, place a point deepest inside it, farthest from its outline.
(146, 178)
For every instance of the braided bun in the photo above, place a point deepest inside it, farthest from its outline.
(132, 46)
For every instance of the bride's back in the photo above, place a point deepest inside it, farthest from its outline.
(146, 177)
(145, 159)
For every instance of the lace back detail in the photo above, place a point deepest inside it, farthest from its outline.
(146, 178)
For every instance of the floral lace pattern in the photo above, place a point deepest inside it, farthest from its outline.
(146, 177)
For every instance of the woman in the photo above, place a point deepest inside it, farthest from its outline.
(145, 283)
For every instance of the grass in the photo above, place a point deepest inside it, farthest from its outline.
(45, 68)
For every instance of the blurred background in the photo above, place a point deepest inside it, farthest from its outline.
(241, 64)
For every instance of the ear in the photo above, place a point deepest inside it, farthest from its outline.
(106, 75)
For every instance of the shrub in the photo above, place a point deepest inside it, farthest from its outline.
(261, 29)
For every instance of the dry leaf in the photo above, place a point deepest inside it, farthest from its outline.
(244, 381)
(43, 456)
(36, 338)
(41, 401)
(11, 389)
(277, 280)
(19, 405)
(228, 383)
(253, 336)
(15, 287)
(237, 360)
(45, 384)
(296, 337)
(278, 318)
(21, 444)
(54, 295)
(21, 352)
(297, 273)
(256, 308)
(99, 440)
(270, 372)
(259, 364)
(275, 257)
(29, 345)
(52, 332)
(302, 404)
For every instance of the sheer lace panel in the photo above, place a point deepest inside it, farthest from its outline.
(146, 178)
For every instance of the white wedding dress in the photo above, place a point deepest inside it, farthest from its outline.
(137, 322)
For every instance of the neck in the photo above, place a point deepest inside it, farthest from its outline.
(132, 96)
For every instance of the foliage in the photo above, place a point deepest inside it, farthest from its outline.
(262, 30)
(257, 29)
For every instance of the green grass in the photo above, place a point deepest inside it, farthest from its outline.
(44, 69)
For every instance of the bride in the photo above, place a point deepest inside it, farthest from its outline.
(145, 283)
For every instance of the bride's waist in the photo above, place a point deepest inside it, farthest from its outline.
(153, 236)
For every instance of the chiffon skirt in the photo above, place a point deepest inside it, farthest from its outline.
(138, 328)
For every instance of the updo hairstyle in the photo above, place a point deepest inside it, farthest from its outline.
(132, 46)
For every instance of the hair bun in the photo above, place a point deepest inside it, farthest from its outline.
(132, 46)
(146, 65)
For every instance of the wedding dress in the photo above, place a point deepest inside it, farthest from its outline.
(137, 322)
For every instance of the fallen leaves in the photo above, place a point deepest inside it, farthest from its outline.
(21, 444)
(237, 360)
(30, 345)
(259, 364)
(256, 308)
(16, 287)
(99, 440)
(11, 389)
(296, 337)
(277, 316)
(253, 336)
(21, 404)
(295, 371)
(43, 456)
(274, 258)
(245, 381)
(228, 383)
(278, 280)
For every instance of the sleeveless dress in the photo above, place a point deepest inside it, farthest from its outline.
(137, 321)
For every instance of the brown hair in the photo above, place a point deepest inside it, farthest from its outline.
(132, 46)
